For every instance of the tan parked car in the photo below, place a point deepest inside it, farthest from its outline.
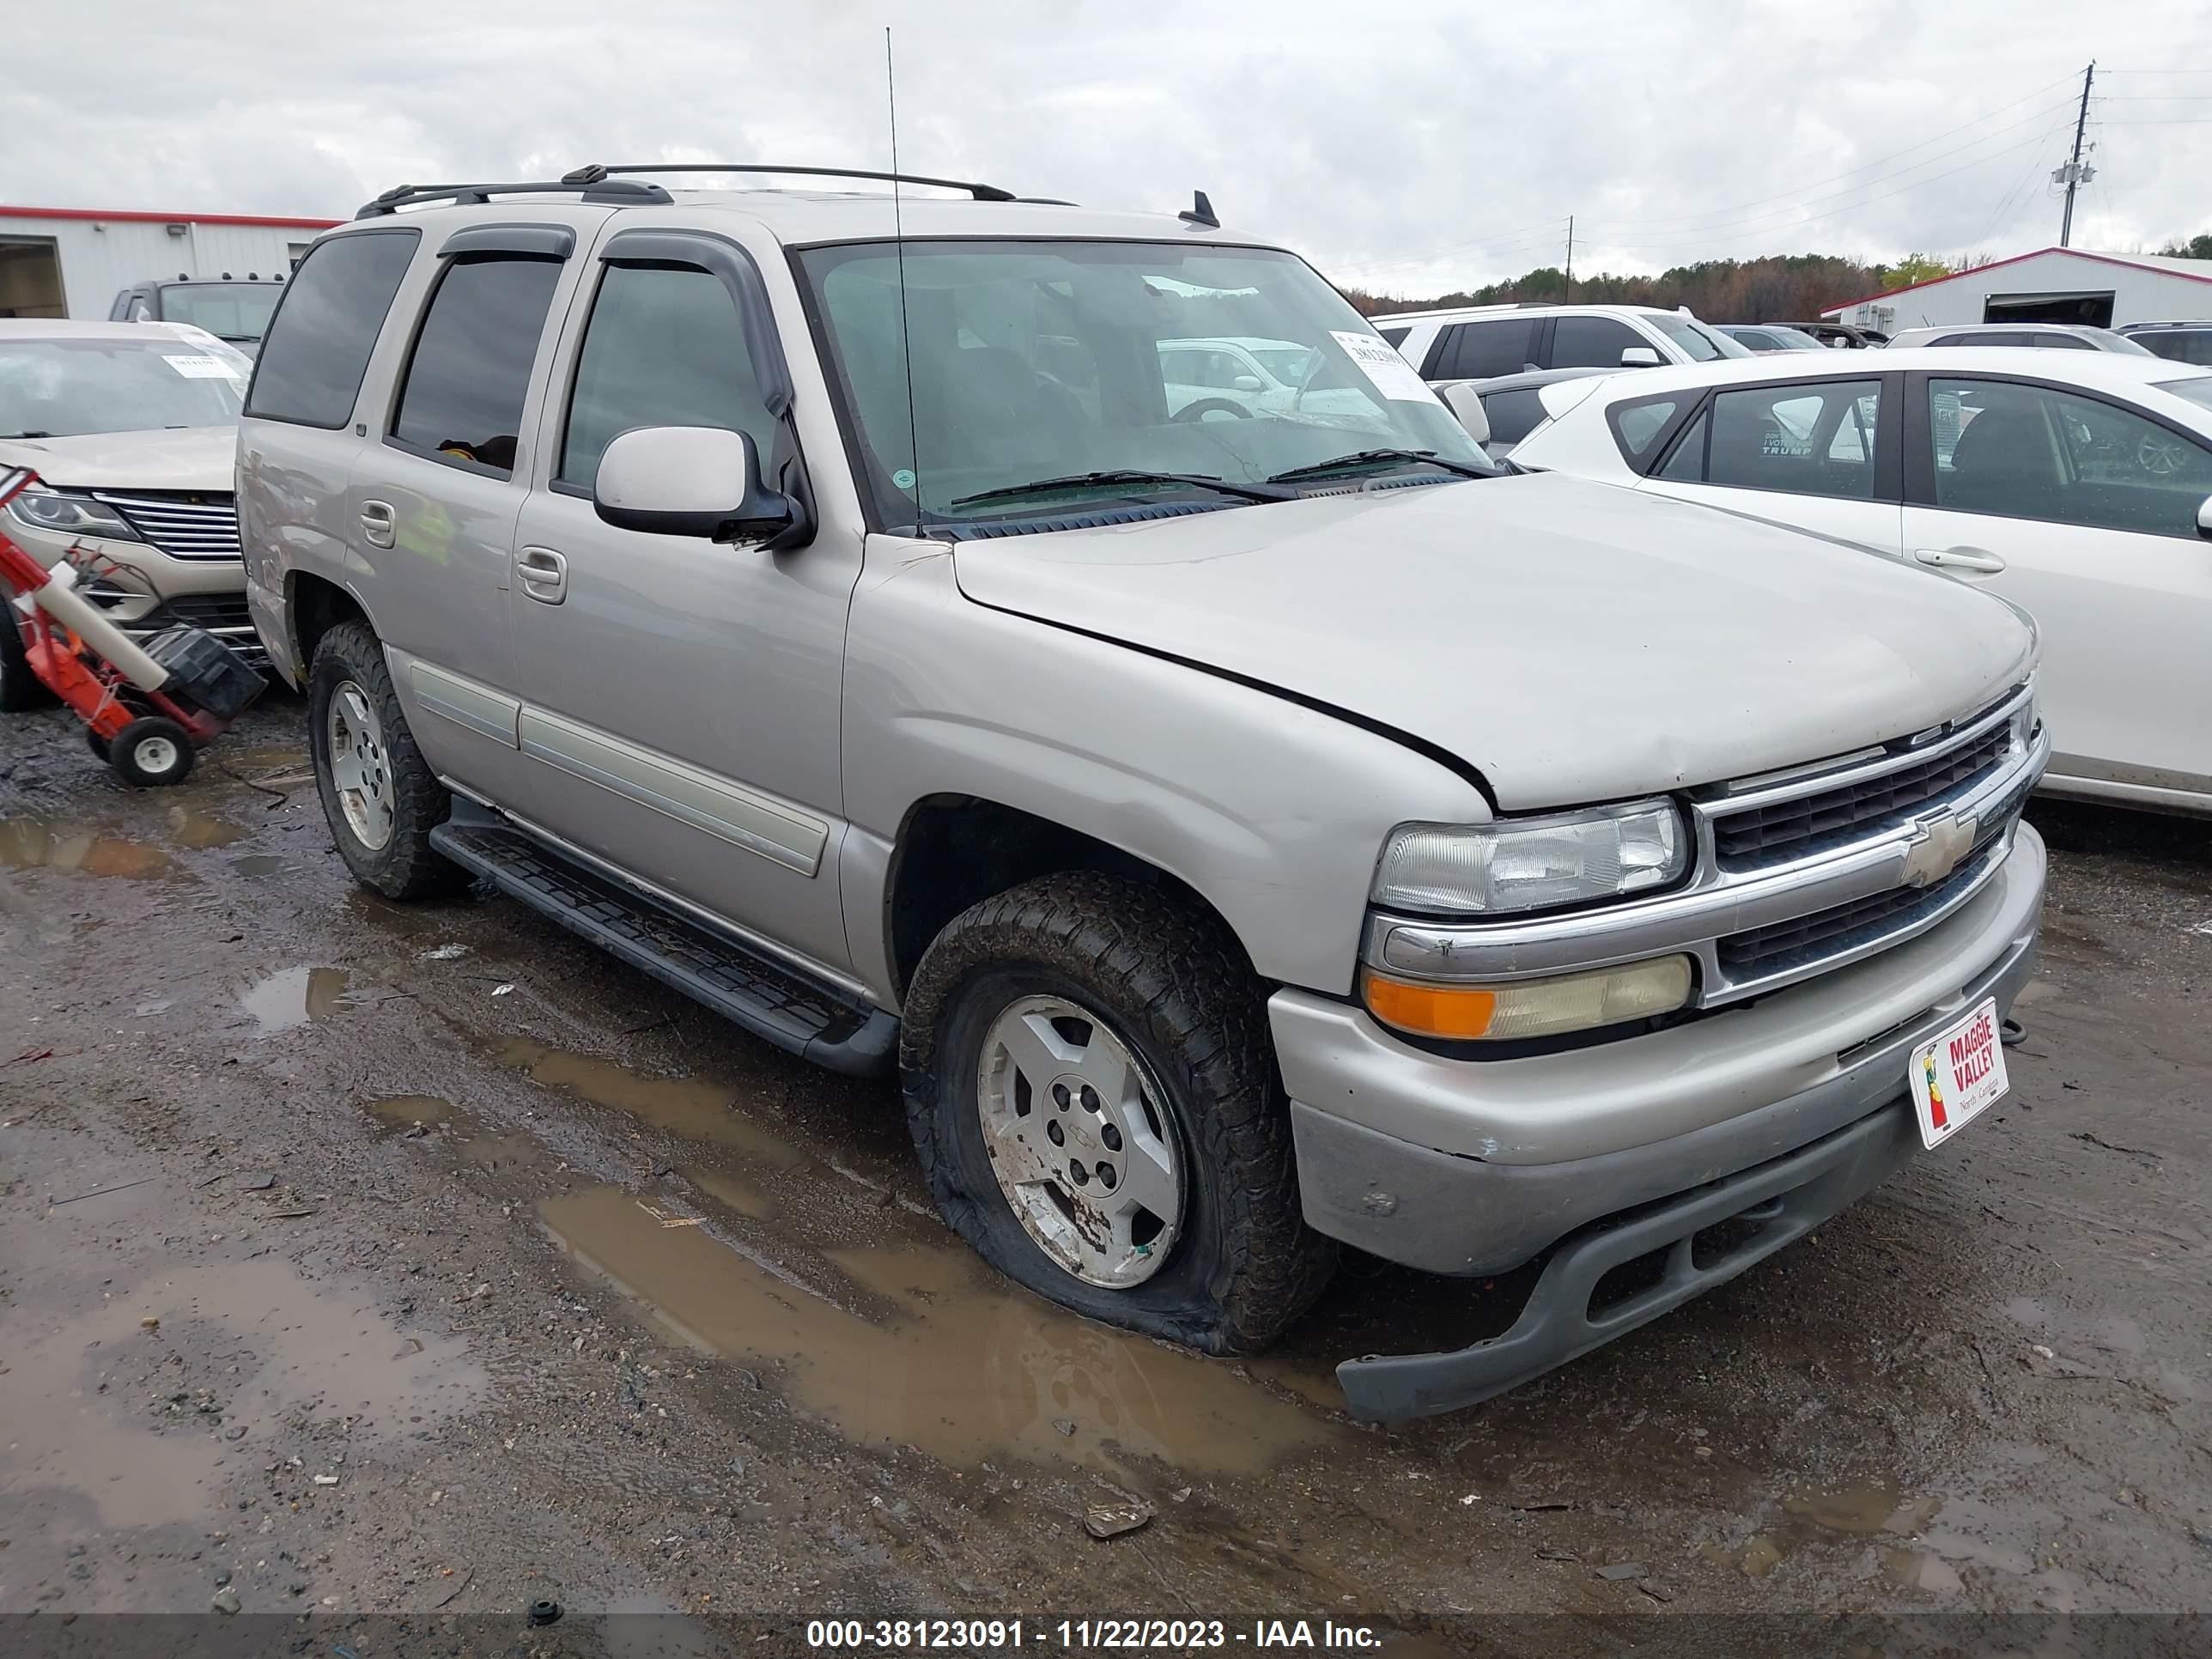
(132, 429)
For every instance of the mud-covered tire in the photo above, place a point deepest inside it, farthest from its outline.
(1170, 984)
(405, 866)
(20, 690)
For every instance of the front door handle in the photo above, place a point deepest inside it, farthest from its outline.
(1960, 558)
(378, 523)
(544, 574)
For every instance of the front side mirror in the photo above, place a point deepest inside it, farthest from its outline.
(1465, 402)
(2205, 518)
(687, 481)
(1639, 357)
(1246, 383)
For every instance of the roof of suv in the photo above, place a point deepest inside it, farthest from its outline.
(2101, 338)
(810, 217)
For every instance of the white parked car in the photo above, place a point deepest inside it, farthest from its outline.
(2035, 337)
(1480, 342)
(132, 429)
(1235, 377)
(2073, 482)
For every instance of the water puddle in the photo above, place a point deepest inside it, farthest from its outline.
(75, 1401)
(255, 866)
(967, 1369)
(41, 844)
(1917, 1570)
(291, 998)
(1863, 1509)
(202, 830)
(694, 1108)
(399, 1114)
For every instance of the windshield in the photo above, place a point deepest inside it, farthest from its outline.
(1036, 360)
(2108, 341)
(234, 310)
(2197, 389)
(1701, 344)
(67, 388)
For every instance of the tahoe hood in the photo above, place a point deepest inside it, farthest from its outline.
(169, 458)
(1573, 642)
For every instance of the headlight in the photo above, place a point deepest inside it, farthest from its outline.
(65, 514)
(1532, 864)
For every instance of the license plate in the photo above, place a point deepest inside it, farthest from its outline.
(1958, 1074)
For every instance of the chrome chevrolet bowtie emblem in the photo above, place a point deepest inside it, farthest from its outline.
(1934, 854)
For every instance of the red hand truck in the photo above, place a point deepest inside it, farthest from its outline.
(146, 708)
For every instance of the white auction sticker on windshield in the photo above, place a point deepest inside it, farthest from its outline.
(1391, 374)
(201, 366)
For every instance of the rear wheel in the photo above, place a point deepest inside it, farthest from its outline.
(1091, 1093)
(20, 689)
(152, 750)
(378, 793)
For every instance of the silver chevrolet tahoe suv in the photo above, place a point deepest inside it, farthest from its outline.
(1246, 831)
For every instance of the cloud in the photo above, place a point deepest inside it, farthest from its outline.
(1423, 147)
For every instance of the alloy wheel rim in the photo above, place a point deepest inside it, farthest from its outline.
(360, 768)
(1081, 1141)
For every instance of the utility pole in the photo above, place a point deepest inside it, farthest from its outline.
(1570, 258)
(2074, 175)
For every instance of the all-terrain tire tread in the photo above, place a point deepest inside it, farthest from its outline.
(407, 867)
(1173, 972)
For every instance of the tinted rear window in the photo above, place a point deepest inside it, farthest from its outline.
(1513, 415)
(310, 368)
(1481, 351)
(2183, 345)
(471, 369)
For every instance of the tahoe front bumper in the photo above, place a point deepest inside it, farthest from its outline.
(1790, 1108)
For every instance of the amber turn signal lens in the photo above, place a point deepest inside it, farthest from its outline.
(1533, 1007)
(1432, 1010)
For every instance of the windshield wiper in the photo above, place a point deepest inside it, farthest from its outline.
(1380, 458)
(7, 435)
(1250, 492)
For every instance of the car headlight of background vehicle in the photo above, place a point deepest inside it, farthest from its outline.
(61, 513)
(1518, 864)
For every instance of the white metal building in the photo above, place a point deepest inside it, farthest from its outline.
(2052, 285)
(72, 261)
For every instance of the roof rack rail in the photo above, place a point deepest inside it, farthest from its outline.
(593, 173)
(607, 192)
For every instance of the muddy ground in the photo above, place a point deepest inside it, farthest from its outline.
(361, 1260)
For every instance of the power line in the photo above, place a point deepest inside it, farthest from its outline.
(1795, 201)
(1756, 229)
(1880, 160)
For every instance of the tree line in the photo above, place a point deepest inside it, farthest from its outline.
(1780, 288)
(1792, 288)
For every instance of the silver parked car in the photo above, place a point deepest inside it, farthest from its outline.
(2076, 483)
(1242, 835)
(2039, 336)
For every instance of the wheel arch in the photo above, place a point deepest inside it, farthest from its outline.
(955, 850)
(313, 605)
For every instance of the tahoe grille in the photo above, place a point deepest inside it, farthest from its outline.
(184, 524)
(1809, 825)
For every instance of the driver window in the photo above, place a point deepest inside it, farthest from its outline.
(2030, 451)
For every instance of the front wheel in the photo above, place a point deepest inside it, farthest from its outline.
(152, 750)
(1092, 1094)
(381, 796)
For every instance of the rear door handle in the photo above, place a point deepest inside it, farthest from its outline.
(378, 523)
(1960, 558)
(544, 574)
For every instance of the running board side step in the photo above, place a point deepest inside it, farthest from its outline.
(794, 1011)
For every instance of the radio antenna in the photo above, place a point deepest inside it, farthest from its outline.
(912, 479)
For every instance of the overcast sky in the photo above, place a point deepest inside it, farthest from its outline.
(1444, 148)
